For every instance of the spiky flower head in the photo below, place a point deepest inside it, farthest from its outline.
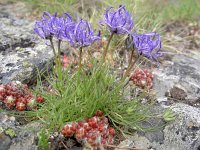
(42, 27)
(68, 31)
(148, 44)
(83, 34)
(118, 21)
(53, 25)
(59, 25)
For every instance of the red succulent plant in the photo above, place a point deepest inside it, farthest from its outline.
(142, 78)
(95, 131)
(16, 95)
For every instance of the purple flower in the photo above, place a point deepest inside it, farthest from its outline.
(68, 31)
(42, 28)
(52, 25)
(118, 21)
(59, 24)
(148, 44)
(82, 34)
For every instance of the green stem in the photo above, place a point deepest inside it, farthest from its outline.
(131, 66)
(106, 49)
(58, 65)
(80, 56)
(131, 58)
(52, 45)
(59, 43)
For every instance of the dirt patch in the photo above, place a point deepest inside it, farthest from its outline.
(183, 35)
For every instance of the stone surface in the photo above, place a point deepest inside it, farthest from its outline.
(5, 141)
(176, 84)
(128, 144)
(181, 134)
(22, 52)
(13, 136)
(26, 137)
(179, 79)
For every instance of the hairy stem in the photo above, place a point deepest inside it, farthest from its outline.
(107, 46)
(59, 61)
(80, 56)
(52, 45)
(131, 65)
(59, 66)
(131, 58)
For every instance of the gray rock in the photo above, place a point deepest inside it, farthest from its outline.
(6, 121)
(180, 77)
(5, 141)
(182, 134)
(15, 137)
(26, 137)
(125, 144)
(28, 143)
(22, 52)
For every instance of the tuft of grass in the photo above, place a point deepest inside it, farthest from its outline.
(79, 95)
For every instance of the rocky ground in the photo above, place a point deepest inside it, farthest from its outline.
(22, 55)
(21, 52)
(176, 85)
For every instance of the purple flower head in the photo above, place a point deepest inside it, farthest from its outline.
(42, 28)
(82, 35)
(148, 44)
(118, 21)
(52, 25)
(58, 25)
(68, 31)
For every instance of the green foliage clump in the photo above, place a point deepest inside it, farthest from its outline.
(77, 96)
